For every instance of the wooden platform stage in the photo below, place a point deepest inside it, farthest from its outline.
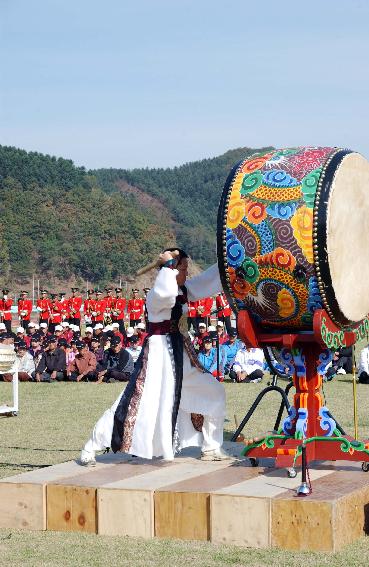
(227, 502)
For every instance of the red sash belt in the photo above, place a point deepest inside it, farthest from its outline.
(163, 328)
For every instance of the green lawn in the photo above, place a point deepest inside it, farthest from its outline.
(54, 421)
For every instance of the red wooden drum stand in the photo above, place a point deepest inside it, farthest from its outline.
(309, 421)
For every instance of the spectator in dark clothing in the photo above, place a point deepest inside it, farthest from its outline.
(341, 363)
(98, 352)
(117, 364)
(52, 365)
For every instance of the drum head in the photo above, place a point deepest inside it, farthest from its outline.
(293, 237)
(347, 238)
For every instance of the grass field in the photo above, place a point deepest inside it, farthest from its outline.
(54, 421)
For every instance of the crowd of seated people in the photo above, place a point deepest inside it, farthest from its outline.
(99, 339)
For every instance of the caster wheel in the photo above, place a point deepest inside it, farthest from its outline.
(254, 462)
(291, 473)
(365, 467)
(15, 414)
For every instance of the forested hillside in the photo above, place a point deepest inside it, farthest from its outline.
(61, 221)
(191, 193)
(55, 221)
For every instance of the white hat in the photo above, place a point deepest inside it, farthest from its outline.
(220, 324)
(64, 324)
(107, 328)
(211, 329)
(36, 326)
(2, 326)
(130, 332)
(99, 326)
(115, 325)
(20, 330)
(30, 324)
(74, 327)
(141, 326)
(58, 328)
(89, 330)
(202, 325)
(43, 325)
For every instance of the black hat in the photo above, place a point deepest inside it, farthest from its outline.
(35, 337)
(75, 289)
(213, 335)
(110, 334)
(146, 289)
(115, 341)
(233, 333)
(44, 291)
(118, 289)
(53, 295)
(90, 291)
(23, 292)
(63, 342)
(80, 344)
(52, 339)
(5, 291)
(74, 341)
(62, 293)
(133, 339)
(108, 289)
(207, 339)
(95, 339)
(98, 291)
(22, 345)
(135, 290)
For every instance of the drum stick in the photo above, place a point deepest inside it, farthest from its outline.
(147, 268)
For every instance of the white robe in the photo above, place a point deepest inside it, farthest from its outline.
(201, 392)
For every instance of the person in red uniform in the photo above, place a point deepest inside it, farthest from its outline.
(75, 303)
(191, 315)
(89, 306)
(55, 312)
(222, 336)
(24, 309)
(99, 309)
(141, 333)
(117, 333)
(65, 306)
(204, 308)
(43, 306)
(119, 310)
(224, 311)
(135, 308)
(109, 302)
(5, 310)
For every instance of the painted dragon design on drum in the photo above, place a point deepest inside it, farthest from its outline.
(269, 236)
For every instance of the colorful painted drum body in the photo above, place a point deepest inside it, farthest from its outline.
(293, 237)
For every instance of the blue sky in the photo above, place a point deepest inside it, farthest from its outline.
(159, 82)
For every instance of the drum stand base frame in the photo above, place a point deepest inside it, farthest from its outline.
(324, 440)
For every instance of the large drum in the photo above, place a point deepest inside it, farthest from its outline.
(293, 237)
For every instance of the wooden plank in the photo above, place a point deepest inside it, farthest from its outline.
(243, 521)
(114, 473)
(182, 515)
(22, 506)
(71, 508)
(301, 524)
(125, 512)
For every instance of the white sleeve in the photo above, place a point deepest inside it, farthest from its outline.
(363, 364)
(205, 284)
(239, 362)
(162, 296)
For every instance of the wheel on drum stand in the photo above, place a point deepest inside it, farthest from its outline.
(291, 473)
(254, 462)
(365, 466)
